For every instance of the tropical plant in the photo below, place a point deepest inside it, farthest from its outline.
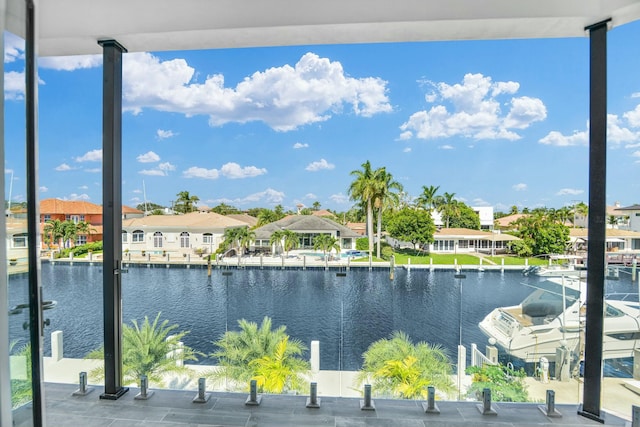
(276, 240)
(427, 199)
(411, 225)
(448, 207)
(387, 195)
(466, 218)
(53, 232)
(506, 384)
(150, 349)
(224, 209)
(69, 233)
(363, 189)
(21, 392)
(326, 243)
(185, 202)
(258, 352)
(542, 234)
(291, 240)
(316, 206)
(267, 216)
(396, 367)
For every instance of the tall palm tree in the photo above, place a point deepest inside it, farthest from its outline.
(291, 240)
(387, 195)
(245, 238)
(363, 189)
(54, 231)
(237, 351)
(448, 207)
(85, 228)
(428, 197)
(276, 240)
(186, 202)
(69, 233)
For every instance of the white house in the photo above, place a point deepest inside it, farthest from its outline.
(194, 232)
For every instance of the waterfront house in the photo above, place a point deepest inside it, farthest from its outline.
(630, 216)
(79, 211)
(617, 240)
(307, 227)
(192, 233)
(464, 240)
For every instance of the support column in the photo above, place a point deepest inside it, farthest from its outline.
(597, 220)
(112, 216)
(33, 217)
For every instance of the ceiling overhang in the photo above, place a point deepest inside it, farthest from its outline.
(71, 27)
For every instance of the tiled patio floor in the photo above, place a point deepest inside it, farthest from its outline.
(167, 408)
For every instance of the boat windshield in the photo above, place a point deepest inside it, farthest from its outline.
(546, 301)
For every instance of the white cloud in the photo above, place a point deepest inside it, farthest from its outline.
(310, 196)
(13, 47)
(93, 170)
(63, 167)
(446, 147)
(560, 140)
(70, 63)
(519, 187)
(635, 95)
(90, 156)
(44, 189)
(300, 145)
(407, 150)
(14, 85)
(339, 198)
(283, 97)
(74, 196)
(162, 169)
(268, 196)
(319, 165)
(569, 191)
(164, 134)
(473, 111)
(235, 171)
(633, 117)
(83, 187)
(480, 202)
(148, 157)
(137, 191)
(196, 172)
(631, 146)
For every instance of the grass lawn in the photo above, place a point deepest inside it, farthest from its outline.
(402, 258)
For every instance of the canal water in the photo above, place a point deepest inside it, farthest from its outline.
(345, 313)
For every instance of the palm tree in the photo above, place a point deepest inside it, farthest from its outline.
(316, 206)
(69, 233)
(291, 240)
(513, 210)
(387, 194)
(85, 228)
(276, 239)
(326, 243)
(428, 197)
(186, 202)
(399, 368)
(266, 216)
(245, 238)
(448, 207)
(363, 189)
(239, 351)
(151, 349)
(282, 370)
(53, 231)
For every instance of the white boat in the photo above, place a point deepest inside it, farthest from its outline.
(554, 270)
(553, 315)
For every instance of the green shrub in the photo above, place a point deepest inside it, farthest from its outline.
(386, 252)
(362, 244)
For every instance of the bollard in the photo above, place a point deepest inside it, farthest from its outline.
(57, 346)
(315, 356)
(83, 390)
(430, 406)
(312, 400)
(144, 392)
(367, 403)
(486, 408)
(202, 396)
(550, 409)
(635, 416)
(253, 399)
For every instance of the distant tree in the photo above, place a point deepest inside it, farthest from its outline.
(306, 211)
(513, 210)
(186, 202)
(363, 190)
(448, 207)
(149, 207)
(411, 225)
(291, 240)
(157, 212)
(279, 211)
(427, 199)
(612, 221)
(224, 209)
(465, 217)
(53, 232)
(276, 240)
(69, 233)
(543, 234)
(387, 196)
(316, 206)
(267, 216)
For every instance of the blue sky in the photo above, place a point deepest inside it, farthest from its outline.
(498, 123)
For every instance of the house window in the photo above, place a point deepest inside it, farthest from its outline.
(76, 218)
(138, 236)
(207, 238)
(184, 239)
(46, 218)
(20, 241)
(157, 239)
(81, 240)
(124, 236)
